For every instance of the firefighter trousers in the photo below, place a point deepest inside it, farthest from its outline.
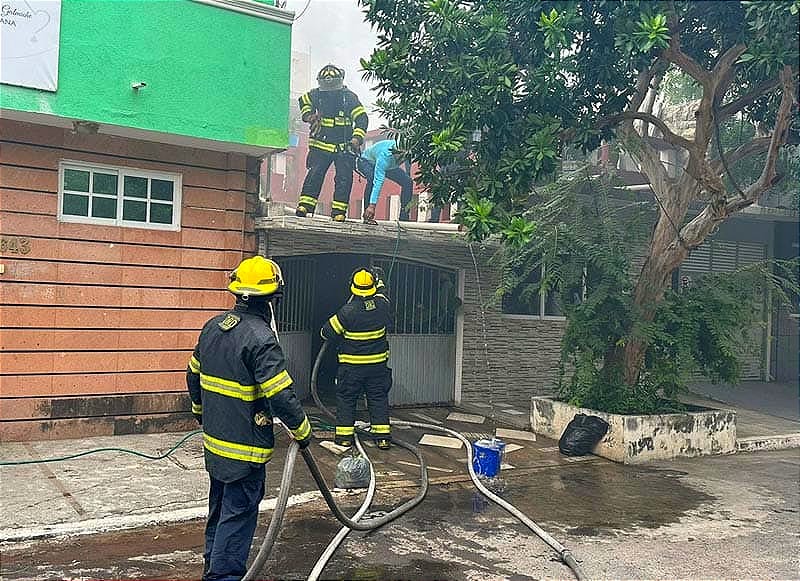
(318, 162)
(232, 517)
(351, 382)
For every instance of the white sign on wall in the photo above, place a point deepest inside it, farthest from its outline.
(29, 33)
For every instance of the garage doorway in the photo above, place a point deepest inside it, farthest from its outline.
(422, 334)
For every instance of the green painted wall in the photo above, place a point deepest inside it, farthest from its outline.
(211, 73)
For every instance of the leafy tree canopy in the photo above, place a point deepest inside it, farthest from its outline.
(486, 92)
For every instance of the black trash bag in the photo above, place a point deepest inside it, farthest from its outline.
(581, 435)
(352, 472)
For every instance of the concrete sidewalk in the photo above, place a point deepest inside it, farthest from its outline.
(715, 517)
(110, 491)
(766, 413)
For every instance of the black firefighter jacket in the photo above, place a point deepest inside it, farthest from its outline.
(361, 324)
(342, 117)
(237, 371)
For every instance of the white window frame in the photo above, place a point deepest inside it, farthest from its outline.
(121, 172)
(542, 304)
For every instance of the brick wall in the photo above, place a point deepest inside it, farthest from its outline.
(98, 322)
(508, 362)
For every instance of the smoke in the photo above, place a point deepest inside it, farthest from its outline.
(334, 31)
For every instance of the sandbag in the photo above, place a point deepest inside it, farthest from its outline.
(581, 435)
(352, 472)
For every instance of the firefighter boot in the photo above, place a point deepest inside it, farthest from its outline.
(343, 441)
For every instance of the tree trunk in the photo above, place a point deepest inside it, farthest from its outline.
(665, 254)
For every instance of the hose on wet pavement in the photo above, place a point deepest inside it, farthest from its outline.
(564, 554)
(353, 524)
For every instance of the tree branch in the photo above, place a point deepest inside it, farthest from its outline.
(748, 99)
(719, 209)
(669, 135)
(649, 159)
(675, 55)
(724, 64)
(757, 145)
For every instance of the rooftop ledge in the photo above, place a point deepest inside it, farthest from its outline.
(384, 229)
(253, 8)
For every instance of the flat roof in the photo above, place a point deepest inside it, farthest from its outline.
(423, 231)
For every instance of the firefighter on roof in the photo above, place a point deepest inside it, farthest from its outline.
(237, 379)
(363, 353)
(337, 126)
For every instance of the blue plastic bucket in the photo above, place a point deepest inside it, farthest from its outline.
(488, 456)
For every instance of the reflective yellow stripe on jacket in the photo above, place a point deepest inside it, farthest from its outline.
(365, 335)
(229, 388)
(303, 430)
(306, 108)
(329, 147)
(236, 451)
(194, 364)
(364, 359)
(336, 324)
(197, 408)
(276, 384)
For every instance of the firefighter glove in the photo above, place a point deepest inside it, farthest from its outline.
(199, 418)
(313, 123)
(355, 143)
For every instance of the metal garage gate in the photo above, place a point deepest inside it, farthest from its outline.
(722, 256)
(295, 318)
(422, 337)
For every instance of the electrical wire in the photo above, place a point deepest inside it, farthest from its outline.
(97, 450)
(303, 11)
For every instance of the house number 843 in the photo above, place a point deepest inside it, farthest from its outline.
(15, 245)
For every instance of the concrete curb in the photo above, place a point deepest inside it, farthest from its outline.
(767, 443)
(134, 521)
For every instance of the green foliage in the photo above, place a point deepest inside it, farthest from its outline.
(587, 235)
(481, 92)
(487, 95)
(678, 87)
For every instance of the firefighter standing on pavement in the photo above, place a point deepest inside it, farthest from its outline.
(237, 378)
(337, 123)
(363, 353)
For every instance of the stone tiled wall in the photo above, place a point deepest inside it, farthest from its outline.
(505, 359)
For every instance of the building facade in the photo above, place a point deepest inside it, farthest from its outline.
(127, 194)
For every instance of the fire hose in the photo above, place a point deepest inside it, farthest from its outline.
(373, 523)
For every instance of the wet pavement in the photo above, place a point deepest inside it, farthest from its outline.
(723, 517)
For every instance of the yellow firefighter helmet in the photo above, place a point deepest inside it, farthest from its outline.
(256, 277)
(363, 283)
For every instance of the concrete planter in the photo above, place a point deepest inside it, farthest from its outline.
(634, 439)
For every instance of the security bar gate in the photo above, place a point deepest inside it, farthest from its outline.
(422, 337)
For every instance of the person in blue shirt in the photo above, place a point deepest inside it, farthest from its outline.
(380, 161)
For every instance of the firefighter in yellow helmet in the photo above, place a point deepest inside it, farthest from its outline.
(359, 328)
(237, 378)
(337, 124)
